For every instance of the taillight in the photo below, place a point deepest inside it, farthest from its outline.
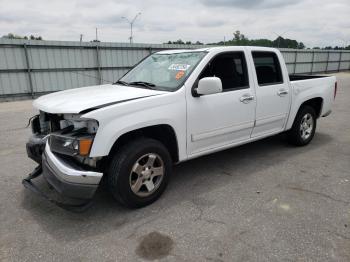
(335, 89)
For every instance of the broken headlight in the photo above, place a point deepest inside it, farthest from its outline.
(71, 145)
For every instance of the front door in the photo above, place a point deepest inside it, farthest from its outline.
(219, 120)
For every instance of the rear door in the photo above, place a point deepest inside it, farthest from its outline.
(272, 93)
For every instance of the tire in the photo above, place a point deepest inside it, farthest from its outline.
(130, 174)
(304, 127)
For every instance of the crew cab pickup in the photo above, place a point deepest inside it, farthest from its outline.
(171, 107)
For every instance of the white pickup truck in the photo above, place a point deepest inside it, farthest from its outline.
(171, 107)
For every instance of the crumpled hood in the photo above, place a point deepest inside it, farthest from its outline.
(85, 98)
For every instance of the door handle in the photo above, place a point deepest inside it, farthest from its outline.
(282, 92)
(246, 99)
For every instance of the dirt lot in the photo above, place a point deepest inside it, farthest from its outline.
(266, 201)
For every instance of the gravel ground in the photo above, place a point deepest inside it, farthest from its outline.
(265, 201)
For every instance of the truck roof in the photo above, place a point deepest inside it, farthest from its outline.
(217, 49)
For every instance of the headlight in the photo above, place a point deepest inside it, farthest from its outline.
(71, 146)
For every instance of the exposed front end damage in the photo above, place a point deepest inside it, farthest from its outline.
(61, 144)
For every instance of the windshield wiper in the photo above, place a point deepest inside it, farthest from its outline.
(142, 83)
(121, 82)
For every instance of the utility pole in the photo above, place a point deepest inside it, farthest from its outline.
(131, 23)
(96, 35)
(81, 38)
(224, 40)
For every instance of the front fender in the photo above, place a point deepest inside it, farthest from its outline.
(119, 119)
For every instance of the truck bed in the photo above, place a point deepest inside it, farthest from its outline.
(297, 77)
(307, 87)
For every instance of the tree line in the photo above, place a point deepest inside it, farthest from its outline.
(14, 36)
(240, 39)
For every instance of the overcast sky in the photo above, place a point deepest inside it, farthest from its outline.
(316, 23)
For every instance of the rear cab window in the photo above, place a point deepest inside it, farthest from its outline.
(267, 68)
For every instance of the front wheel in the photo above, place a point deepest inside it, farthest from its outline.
(304, 127)
(139, 172)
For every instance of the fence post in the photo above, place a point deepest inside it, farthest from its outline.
(340, 58)
(312, 62)
(295, 61)
(327, 62)
(29, 70)
(98, 63)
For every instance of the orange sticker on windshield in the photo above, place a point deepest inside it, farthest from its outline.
(179, 75)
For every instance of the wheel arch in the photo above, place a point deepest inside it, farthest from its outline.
(164, 133)
(316, 103)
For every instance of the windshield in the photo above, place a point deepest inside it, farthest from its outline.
(163, 71)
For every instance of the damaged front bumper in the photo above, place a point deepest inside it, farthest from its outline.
(67, 178)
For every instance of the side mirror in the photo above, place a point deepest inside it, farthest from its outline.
(209, 85)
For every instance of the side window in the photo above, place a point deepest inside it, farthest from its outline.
(231, 68)
(267, 67)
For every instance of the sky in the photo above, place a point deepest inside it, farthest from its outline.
(315, 23)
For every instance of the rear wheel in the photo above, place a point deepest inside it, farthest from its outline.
(139, 172)
(304, 127)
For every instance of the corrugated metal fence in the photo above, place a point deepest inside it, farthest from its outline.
(31, 68)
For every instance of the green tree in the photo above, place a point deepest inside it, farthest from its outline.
(301, 45)
(237, 36)
(179, 42)
(13, 36)
(32, 37)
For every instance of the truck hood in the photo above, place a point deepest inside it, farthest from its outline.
(89, 98)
